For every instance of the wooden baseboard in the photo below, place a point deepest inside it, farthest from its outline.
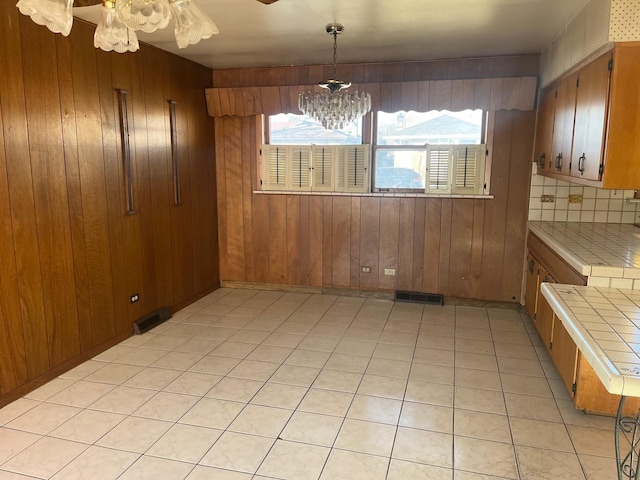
(37, 382)
(382, 294)
(31, 385)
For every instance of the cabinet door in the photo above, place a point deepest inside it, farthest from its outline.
(591, 111)
(544, 314)
(544, 130)
(565, 110)
(531, 286)
(564, 353)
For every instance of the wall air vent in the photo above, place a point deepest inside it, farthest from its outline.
(417, 297)
(152, 320)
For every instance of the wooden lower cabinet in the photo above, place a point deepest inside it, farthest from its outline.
(545, 315)
(592, 397)
(564, 353)
(578, 377)
(532, 285)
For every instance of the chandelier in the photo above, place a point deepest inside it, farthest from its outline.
(116, 31)
(334, 108)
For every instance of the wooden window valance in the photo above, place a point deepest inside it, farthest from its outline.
(491, 94)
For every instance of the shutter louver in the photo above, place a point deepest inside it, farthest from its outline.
(353, 168)
(468, 169)
(438, 169)
(274, 158)
(300, 159)
(324, 159)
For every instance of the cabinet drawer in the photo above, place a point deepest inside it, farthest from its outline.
(557, 268)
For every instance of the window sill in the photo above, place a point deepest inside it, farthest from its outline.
(376, 194)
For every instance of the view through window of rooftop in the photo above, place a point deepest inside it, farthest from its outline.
(291, 129)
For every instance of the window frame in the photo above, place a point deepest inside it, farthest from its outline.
(484, 136)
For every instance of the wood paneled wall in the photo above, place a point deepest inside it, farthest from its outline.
(69, 255)
(456, 69)
(458, 247)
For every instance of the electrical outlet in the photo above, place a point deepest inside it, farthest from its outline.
(366, 269)
(547, 198)
(575, 198)
(134, 298)
(389, 271)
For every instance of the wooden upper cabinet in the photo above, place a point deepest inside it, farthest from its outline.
(564, 115)
(622, 143)
(606, 121)
(544, 130)
(591, 111)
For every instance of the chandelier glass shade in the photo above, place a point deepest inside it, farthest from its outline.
(192, 24)
(145, 15)
(54, 14)
(122, 18)
(113, 35)
(333, 107)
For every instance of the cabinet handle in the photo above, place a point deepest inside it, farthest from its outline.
(559, 162)
(531, 266)
(542, 160)
(126, 151)
(581, 161)
(175, 159)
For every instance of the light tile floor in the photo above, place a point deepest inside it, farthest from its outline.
(250, 384)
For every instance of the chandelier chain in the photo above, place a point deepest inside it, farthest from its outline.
(335, 54)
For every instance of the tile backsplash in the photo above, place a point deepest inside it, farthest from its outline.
(549, 201)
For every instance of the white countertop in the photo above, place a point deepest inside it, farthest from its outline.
(604, 324)
(600, 249)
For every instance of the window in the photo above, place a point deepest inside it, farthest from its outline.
(435, 152)
(290, 129)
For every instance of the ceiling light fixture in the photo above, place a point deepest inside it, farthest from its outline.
(122, 18)
(334, 109)
(112, 34)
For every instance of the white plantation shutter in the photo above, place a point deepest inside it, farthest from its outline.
(353, 168)
(323, 163)
(468, 169)
(275, 167)
(455, 169)
(300, 161)
(439, 168)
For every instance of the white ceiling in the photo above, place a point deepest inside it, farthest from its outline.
(292, 32)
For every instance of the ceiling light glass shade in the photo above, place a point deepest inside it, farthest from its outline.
(334, 109)
(145, 15)
(54, 14)
(192, 24)
(113, 35)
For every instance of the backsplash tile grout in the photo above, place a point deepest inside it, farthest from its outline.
(598, 205)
